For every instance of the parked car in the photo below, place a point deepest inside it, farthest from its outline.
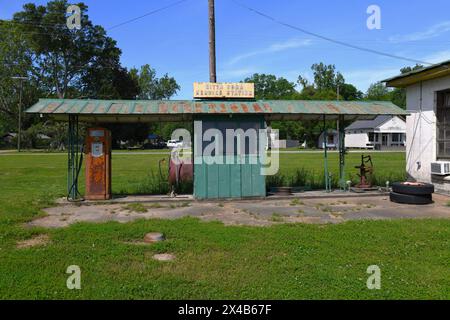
(154, 145)
(135, 147)
(174, 144)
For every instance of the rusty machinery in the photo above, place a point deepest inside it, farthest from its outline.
(98, 164)
(180, 170)
(365, 172)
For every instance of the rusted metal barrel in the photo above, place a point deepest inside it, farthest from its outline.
(181, 168)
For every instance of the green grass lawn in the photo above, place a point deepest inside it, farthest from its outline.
(213, 261)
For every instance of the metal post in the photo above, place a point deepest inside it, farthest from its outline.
(19, 125)
(326, 173)
(341, 129)
(19, 133)
(69, 157)
(212, 42)
(73, 158)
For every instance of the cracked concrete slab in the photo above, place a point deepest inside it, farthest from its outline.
(248, 212)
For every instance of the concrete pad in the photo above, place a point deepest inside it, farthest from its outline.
(250, 212)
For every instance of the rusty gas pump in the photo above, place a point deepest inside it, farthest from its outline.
(98, 164)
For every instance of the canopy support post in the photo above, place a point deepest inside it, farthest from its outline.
(341, 130)
(73, 165)
(325, 155)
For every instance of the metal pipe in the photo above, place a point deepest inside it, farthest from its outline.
(325, 154)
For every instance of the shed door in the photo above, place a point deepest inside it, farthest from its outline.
(239, 173)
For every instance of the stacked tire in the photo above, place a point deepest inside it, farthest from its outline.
(412, 193)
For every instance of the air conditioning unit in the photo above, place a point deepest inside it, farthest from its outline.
(440, 168)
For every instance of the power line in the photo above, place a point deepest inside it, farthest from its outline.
(342, 43)
(63, 26)
(56, 26)
(147, 14)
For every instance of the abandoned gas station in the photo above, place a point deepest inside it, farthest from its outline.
(235, 179)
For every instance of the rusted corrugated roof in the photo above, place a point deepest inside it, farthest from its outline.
(142, 110)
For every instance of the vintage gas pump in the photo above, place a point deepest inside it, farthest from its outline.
(98, 164)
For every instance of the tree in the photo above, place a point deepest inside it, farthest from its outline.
(409, 69)
(326, 77)
(150, 86)
(378, 91)
(67, 62)
(349, 92)
(325, 85)
(269, 87)
(16, 59)
(399, 94)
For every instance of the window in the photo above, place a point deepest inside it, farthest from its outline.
(443, 124)
(396, 137)
(373, 137)
(330, 139)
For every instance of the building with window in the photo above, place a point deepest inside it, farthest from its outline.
(332, 139)
(381, 133)
(428, 125)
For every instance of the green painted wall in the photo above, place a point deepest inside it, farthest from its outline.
(236, 177)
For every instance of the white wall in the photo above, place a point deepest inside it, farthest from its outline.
(421, 127)
(356, 140)
(394, 125)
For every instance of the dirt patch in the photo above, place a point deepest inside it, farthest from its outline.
(39, 240)
(164, 257)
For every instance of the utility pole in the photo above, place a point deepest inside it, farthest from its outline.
(212, 42)
(19, 125)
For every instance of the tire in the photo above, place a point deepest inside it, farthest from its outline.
(413, 188)
(410, 199)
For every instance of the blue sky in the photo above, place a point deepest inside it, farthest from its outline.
(175, 40)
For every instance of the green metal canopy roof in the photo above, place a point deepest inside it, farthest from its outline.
(178, 110)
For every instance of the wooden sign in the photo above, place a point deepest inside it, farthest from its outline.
(224, 90)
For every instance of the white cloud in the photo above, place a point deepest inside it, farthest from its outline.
(363, 78)
(437, 57)
(276, 47)
(236, 73)
(432, 32)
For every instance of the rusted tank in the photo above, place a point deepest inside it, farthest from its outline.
(181, 168)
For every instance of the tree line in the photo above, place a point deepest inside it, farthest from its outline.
(327, 84)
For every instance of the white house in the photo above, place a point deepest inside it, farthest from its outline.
(273, 139)
(382, 133)
(428, 125)
(332, 139)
